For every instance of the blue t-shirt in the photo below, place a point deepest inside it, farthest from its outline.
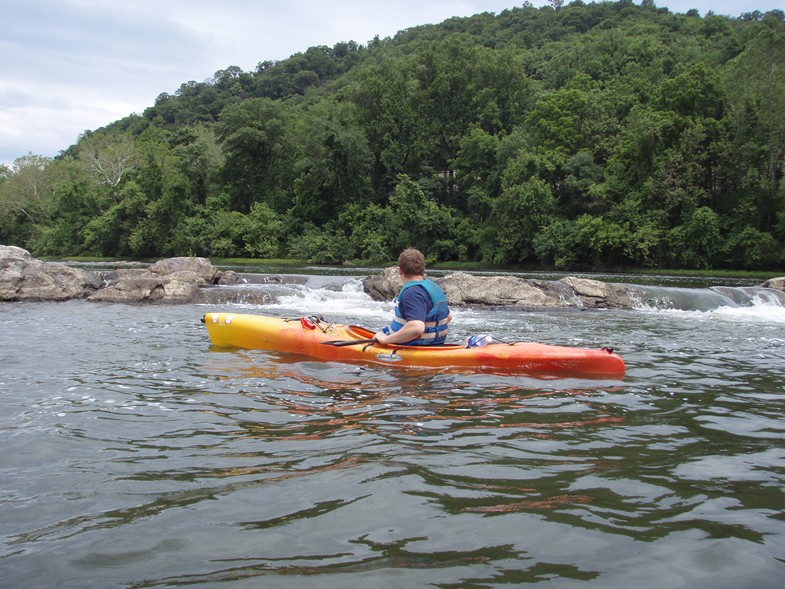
(415, 304)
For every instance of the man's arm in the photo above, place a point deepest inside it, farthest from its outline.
(412, 330)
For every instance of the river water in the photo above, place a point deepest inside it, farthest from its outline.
(134, 454)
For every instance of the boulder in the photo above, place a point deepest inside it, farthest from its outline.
(384, 287)
(25, 278)
(229, 277)
(188, 268)
(173, 280)
(599, 295)
(464, 289)
(778, 283)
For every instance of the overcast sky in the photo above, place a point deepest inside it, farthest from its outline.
(73, 65)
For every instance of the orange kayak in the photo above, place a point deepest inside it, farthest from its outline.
(310, 336)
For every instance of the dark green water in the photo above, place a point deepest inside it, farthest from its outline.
(135, 455)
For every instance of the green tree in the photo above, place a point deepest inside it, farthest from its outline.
(372, 231)
(74, 205)
(526, 204)
(555, 244)
(602, 239)
(110, 232)
(475, 164)
(699, 241)
(334, 162)
(421, 222)
(256, 138)
(165, 188)
(26, 200)
(200, 160)
(699, 92)
(557, 120)
(756, 81)
(752, 249)
(581, 175)
(228, 230)
(265, 232)
(386, 97)
(322, 245)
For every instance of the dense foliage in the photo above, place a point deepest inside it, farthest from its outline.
(580, 135)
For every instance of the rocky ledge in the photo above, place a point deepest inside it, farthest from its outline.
(173, 280)
(183, 280)
(464, 289)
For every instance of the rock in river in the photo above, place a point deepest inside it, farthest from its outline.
(464, 289)
(25, 278)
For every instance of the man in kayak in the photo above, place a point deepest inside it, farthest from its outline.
(421, 310)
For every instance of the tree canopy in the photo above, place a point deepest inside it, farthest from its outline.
(581, 135)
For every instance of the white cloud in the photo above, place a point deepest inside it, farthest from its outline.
(75, 65)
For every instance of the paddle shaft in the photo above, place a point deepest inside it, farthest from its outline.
(341, 343)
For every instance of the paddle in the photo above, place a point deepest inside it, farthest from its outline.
(339, 343)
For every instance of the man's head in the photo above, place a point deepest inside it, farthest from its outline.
(411, 262)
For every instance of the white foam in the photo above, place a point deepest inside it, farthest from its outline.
(349, 300)
(346, 302)
(759, 312)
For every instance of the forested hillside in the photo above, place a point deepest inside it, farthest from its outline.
(570, 136)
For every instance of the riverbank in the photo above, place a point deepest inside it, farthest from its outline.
(266, 265)
(188, 279)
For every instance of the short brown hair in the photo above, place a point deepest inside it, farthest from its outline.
(412, 262)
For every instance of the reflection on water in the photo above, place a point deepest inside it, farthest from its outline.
(136, 455)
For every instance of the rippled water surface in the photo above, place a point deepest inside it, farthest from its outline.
(134, 454)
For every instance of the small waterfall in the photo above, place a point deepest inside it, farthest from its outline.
(336, 296)
(762, 301)
(342, 294)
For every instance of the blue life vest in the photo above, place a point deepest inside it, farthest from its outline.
(435, 321)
